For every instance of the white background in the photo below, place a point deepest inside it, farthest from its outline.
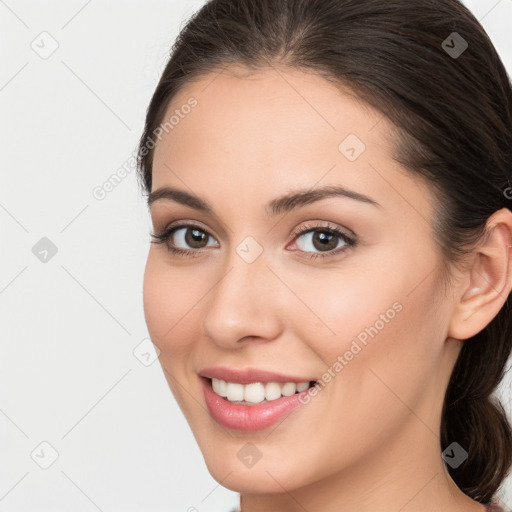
(68, 327)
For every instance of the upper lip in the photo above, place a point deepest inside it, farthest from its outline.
(249, 375)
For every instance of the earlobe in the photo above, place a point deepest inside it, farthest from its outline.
(488, 281)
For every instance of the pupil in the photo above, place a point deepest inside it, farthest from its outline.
(194, 237)
(324, 239)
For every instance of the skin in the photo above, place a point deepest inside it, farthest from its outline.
(369, 441)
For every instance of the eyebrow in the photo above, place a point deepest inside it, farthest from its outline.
(286, 203)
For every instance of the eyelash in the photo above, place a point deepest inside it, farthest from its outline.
(163, 237)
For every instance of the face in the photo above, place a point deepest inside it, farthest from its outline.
(341, 289)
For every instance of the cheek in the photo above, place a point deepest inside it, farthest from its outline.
(169, 302)
(371, 320)
(383, 297)
(381, 356)
(356, 301)
(169, 309)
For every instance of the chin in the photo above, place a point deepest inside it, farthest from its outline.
(266, 476)
(251, 480)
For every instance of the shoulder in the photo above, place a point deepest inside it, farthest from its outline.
(497, 507)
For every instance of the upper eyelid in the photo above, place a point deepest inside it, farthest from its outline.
(309, 226)
(185, 224)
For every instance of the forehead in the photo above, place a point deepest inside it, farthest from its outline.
(275, 129)
(271, 111)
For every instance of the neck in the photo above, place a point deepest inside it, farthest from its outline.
(407, 474)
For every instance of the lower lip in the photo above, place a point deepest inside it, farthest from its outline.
(249, 417)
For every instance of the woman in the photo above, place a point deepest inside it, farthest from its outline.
(329, 184)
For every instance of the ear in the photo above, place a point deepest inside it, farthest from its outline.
(487, 281)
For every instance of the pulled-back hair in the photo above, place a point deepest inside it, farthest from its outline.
(451, 115)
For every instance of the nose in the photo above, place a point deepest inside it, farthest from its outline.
(245, 304)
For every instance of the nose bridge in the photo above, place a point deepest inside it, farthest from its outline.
(243, 302)
(246, 268)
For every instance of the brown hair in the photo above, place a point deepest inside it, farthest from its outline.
(452, 119)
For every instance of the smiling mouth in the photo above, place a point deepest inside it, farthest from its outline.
(256, 392)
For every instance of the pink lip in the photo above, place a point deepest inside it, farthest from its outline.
(249, 418)
(249, 375)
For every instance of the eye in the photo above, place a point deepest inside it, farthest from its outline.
(328, 240)
(190, 237)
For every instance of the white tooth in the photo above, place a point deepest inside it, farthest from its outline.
(272, 391)
(215, 385)
(234, 391)
(219, 386)
(254, 392)
(288, 388)
(302, 386)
